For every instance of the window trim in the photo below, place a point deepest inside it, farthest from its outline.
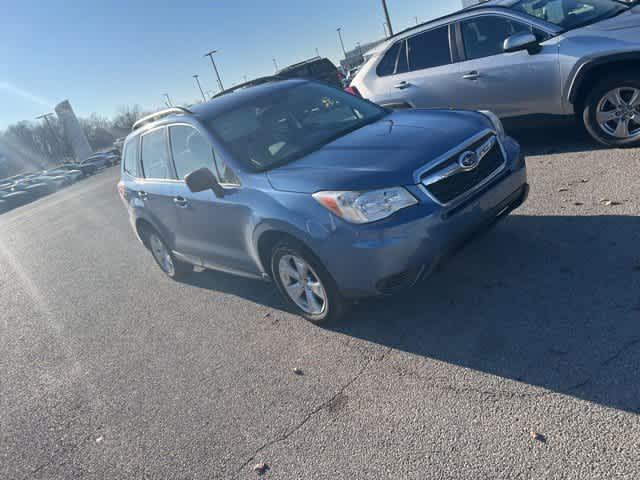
(504, 15)
(422, 32)
(215, 170)
(166, 145)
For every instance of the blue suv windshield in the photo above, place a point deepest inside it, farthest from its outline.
(290, 123)
(568, 14)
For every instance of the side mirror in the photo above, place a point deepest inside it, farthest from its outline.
(203, 179)
(522, 41)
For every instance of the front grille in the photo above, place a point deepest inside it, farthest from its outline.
(455, 184)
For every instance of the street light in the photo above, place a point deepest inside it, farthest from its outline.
(275, 64)
(339, 30)
(215, 69)
(168, 100)
(200, 87)
(386, 15)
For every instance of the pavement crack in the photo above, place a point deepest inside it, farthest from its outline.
(313, 412)
(622, 349)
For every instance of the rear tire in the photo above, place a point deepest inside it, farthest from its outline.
(611, 113)
(164, 257)
(305, 284)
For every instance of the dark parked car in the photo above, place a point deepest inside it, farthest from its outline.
(86, 169)
(321, 69)
(15, 198)
(330, 196)
(100, 160)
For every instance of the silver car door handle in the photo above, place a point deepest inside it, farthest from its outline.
(142, 195)
(402, 85)
(180, 202)
(471, 75)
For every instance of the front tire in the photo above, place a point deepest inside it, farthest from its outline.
(168, 263)
(612, 112)
(305, 284)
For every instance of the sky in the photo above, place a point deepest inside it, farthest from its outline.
(104, 54)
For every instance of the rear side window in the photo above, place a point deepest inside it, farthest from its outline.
(190, 150)
(130, 157)
(387, 65)
(155, 155)
(429, 49)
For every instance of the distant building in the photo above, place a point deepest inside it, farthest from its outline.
(73, 131)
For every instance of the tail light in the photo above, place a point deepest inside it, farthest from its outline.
(121, 190)
(353, 91)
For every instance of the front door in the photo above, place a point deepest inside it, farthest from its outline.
(509, 84)
(212, 229)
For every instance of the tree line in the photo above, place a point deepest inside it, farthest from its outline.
(31, 145)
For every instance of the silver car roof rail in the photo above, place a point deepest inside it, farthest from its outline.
(158, 115)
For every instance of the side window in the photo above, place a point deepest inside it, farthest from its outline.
(402, 65)
(387, 65)
(190, 150)
(225, 174)
(429, 49)
(484, 36)
(155, 155)
(130, 157)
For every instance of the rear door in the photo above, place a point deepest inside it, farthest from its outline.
(158, 186)
(509, 84)
(425, 75)
(211, 229)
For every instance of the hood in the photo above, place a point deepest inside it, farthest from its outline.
(382, 154)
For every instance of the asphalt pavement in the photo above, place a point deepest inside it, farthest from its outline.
(519, 358)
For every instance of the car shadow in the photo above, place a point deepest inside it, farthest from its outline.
(551, 301)
(548, 136)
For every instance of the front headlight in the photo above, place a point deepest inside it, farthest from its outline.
(497, 123)
(366, 207)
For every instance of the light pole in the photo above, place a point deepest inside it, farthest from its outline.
(384, 27)
(168, 100)
(417, 21)
(360, 50)
(215, 69)
(386, 15)
(45, 117)
(339, 30)
(275, 64)
(317, 52)
(200, 87)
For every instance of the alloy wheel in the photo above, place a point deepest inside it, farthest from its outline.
(302, 284)
(161, 254)
(618, 113)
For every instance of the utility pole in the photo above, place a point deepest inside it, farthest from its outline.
(168, 100)
(275, 64)
(200, 87)
(45, 117)
(215, 69)
(339, 30)
(386, 15)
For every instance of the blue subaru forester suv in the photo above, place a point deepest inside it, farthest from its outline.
(328, 195)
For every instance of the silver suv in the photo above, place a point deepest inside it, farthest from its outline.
(519, 58)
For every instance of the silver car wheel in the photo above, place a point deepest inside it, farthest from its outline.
(161, 254)
(302, 284)
(618, 113)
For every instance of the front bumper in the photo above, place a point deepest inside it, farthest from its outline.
(393, 254)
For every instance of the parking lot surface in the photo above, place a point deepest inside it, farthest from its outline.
(519, 358)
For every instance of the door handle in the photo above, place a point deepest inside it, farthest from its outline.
(471, 75)
(143, 195)
(180, 202)
(402, 85)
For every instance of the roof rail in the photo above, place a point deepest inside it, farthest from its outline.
(158, 115)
